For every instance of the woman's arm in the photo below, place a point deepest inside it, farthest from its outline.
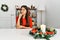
(26, 27)
(18, 26)
(22, 27)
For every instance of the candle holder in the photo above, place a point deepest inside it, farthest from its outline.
(42, 34)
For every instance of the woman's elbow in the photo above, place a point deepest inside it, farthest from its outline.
(17, 26)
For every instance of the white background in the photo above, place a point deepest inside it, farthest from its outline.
(53, 13)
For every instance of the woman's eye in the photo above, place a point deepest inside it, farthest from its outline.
(23, 9)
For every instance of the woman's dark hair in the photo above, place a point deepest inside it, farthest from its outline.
(26, 17)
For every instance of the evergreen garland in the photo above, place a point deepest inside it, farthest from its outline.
(37, 33)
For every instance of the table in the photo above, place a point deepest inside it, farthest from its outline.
(22, 34)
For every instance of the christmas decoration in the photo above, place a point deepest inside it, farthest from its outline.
(37, 33)
(4, 7)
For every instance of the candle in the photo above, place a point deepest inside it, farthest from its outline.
(43, 28)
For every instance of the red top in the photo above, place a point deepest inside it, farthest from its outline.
(24, 21)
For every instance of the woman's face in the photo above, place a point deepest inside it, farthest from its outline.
(23, 11)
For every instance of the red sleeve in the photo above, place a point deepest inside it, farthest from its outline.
(30, 21)
(16, 19)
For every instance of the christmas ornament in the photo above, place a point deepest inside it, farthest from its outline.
(4, 7)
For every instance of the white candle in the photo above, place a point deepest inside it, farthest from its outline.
(43, 28)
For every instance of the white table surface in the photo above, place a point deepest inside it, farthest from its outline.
(22, 34)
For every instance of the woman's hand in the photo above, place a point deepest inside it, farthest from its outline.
(23, 27)
(20, 15)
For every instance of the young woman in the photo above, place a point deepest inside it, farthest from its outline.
(24, 20)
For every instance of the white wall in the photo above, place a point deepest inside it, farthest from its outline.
(53, 13)
(5, 17)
